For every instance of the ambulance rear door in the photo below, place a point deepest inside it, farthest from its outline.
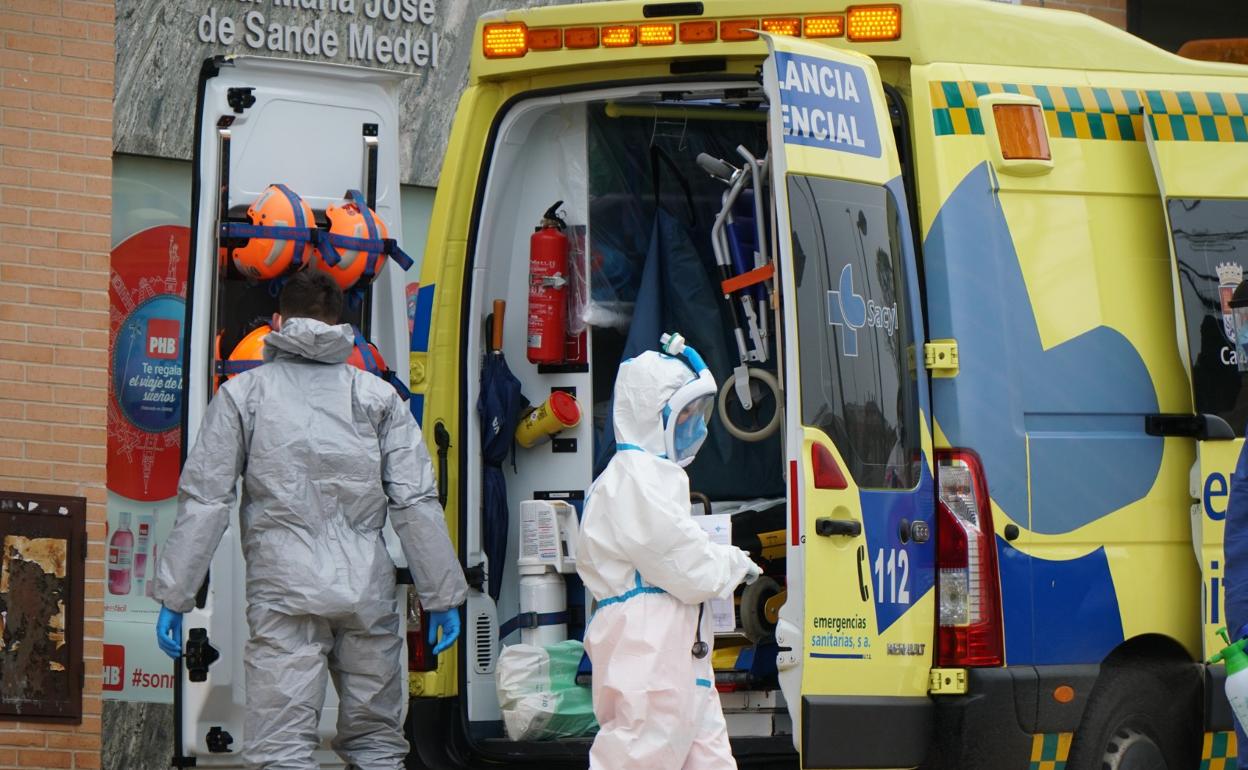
(1199, 146)
(319, 129)
(856, 631)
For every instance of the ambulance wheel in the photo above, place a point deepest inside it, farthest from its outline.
(754, 622)
(1130, 749)
(1141, 716)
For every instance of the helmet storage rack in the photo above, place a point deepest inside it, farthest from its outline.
(241, 303)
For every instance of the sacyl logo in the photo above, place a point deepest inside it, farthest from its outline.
(848, 310)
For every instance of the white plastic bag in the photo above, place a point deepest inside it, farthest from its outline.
(538, 693)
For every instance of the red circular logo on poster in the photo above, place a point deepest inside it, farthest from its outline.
(147, 300)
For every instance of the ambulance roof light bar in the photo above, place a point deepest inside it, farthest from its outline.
(858, 23)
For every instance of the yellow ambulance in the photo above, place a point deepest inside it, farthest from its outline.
(981, 392)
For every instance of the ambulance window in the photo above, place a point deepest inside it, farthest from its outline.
(856, 353)
(1211, 250)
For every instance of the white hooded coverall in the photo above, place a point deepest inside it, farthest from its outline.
(649, 566)
(325, 452)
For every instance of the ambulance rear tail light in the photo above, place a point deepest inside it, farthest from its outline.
(1021, 131)
(505, 40)
(869, 23)
(420, 655)
(825, 470)
(969, 632)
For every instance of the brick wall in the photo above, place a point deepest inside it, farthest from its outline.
(1112, 11)
(56, 97)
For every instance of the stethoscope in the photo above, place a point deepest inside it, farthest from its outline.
(700, 648)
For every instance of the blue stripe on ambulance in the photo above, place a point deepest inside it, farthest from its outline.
(882, 513)
(420, 339)
(1089, 455)
(1057, 611)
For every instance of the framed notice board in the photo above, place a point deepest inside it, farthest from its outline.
(43, 546)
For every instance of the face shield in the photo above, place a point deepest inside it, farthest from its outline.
(687, 417)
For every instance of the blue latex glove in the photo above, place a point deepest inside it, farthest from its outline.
(448, 622)
(169, 632)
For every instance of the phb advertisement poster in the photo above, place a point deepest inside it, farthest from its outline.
(147, 309)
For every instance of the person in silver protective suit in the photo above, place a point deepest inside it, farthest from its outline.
(650, 567)
(325, 451)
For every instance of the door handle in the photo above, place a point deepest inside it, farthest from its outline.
(442, 438)
(829, 527)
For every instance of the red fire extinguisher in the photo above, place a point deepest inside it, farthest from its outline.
(548, 289)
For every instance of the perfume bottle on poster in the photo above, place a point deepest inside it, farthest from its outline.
(146, 525)
(152, 580)
(120, 554)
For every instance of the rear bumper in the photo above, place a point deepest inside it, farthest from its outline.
(865, 732)
(996, 723)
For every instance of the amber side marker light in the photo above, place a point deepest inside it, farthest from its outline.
(738, 29)
(790, 27)
(823, 26)
(545, 39)
(1021, 130)
(580, 37)
(619, 36)
(698, 32)
(870, 23)
(657, 34)
(505, 40)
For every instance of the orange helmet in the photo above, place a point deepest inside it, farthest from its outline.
(373, 362)
(267, 254)
(247, 354)
(359, 251)
(366, 356)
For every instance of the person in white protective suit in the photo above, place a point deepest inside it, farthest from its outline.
(651, 567)
(325, 451)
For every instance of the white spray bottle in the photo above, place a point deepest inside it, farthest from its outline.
(1236, 675)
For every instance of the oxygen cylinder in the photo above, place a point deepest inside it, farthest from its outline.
(548, 531)
(548, 289)
(1236, 675)
(544, 594)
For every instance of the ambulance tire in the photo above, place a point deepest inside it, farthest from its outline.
(753, 609)
(1141, 716)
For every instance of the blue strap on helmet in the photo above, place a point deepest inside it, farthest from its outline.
(366, 352)
(276, 232)
(301, 225)
(357, 197)
(229, 368)
(392, 377)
